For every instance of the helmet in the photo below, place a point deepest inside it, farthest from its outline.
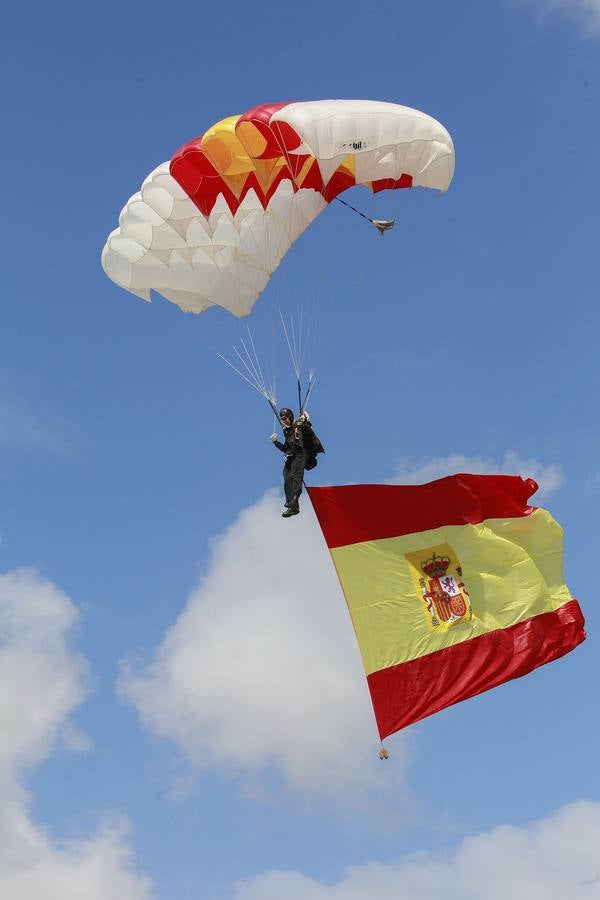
(285, 413)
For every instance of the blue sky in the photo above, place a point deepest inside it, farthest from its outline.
(178, 720)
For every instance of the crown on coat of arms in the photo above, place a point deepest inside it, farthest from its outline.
(435, 566)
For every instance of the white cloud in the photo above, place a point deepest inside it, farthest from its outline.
(42, 681)
(548, 477)
(587, 11)
(552, 859)
(261, 669)
(98, 868)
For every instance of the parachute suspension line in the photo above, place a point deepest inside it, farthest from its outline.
(314, 318)
(291, 343)
(381, 225)
(273, 345)
(312, 377)
(256, 357)
(303, 338)
(301, 349)
(251, 370)
(224, 339)
(276, 419)
(306, 335)
(247, 380)
(311, 372)
(252, 375)
(298, 345)
(296, 354)
(295, 345)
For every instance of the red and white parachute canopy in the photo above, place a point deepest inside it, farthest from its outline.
(210, 227)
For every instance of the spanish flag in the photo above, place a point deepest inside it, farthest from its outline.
(454, 587)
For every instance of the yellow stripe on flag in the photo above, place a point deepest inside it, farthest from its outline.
(511, 569)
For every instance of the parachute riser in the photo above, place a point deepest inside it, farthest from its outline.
(381, 225)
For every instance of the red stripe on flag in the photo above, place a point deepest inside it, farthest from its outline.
(410, 691)
(369, 512)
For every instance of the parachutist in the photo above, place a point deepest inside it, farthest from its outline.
(300, 446)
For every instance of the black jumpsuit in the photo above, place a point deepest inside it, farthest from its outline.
(295, 460)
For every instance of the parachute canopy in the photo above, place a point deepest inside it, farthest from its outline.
(210, 226)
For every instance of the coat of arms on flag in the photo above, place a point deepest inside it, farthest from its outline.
(438, 579)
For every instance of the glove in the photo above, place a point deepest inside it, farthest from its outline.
(273, 437)
(303, 418)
